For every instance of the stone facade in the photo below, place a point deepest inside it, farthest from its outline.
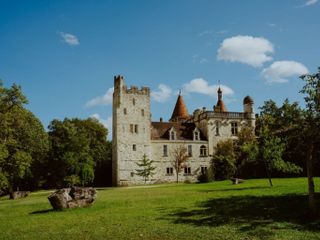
(134, 134)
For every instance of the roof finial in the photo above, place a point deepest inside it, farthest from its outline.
(180, 91)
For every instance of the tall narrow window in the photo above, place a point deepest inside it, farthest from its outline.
(165, 150)
(134, 101)
(142, 112)
(190, 150)
(134, 147)
(172, 135)
(234, 128)
(136, 128)
(203, 151)
(187, 170)
(169, 171)
(217, 128)
(125, 111)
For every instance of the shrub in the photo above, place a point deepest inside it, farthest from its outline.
(206, 176)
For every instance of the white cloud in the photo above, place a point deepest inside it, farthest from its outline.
(70, 39)
(311, 2)
(246, 49)
(105, 122)
(163, 94)
(307, 3)
(199, 85)
(280, 71)
(106, 99)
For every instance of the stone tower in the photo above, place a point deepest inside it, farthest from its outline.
(249, 111)
(131, 120)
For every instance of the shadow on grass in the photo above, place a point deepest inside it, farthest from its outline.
(43, 211)
(250, 213)
(234, 189)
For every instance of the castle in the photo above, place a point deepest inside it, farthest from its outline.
(135, 134)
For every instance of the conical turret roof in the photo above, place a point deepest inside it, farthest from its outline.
(180, 111)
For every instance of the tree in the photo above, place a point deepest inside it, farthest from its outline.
(245, 136)
(311, 127)
(224, 160)
(146, 169)
(180, 156)
(75, 148)
(269, 150)
(23, 141)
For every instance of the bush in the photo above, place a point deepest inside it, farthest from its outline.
(224, 168)
(206, 177)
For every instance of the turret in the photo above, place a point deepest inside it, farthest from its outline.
(220, 107)
(180, 111)
(249, 111)
(248, 104)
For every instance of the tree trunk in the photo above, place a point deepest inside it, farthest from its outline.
(270, 181)
(177, 176)
(312, 201)
(268, 174)
(10, 189)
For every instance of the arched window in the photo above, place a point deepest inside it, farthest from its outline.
(203, 151)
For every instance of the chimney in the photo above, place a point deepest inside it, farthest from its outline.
(161, 119)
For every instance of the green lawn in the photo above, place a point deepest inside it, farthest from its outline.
(219, 210)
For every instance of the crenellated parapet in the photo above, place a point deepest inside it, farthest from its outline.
(120, 86)
(136, 90)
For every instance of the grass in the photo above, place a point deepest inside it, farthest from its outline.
(218, 210)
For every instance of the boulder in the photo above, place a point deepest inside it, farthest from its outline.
(19, 194)
(73, 197)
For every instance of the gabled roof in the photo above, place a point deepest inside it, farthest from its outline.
(180, 111)
(184, 131)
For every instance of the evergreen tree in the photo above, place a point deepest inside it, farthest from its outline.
(146, 169)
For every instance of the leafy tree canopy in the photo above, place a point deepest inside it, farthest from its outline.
(76, 146)
(23, 140)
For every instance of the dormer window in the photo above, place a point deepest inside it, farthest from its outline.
(172, 134)
(196, 135)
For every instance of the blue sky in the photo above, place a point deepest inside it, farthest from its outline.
(64, 54)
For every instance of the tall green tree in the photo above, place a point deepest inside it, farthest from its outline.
(271, 150)
(224, 160)
(75, 148)
(146, 168)
(311, 127)
(23, 141)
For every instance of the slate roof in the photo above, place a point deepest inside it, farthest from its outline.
(184, 130)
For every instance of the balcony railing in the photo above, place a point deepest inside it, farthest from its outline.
(222, 115)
